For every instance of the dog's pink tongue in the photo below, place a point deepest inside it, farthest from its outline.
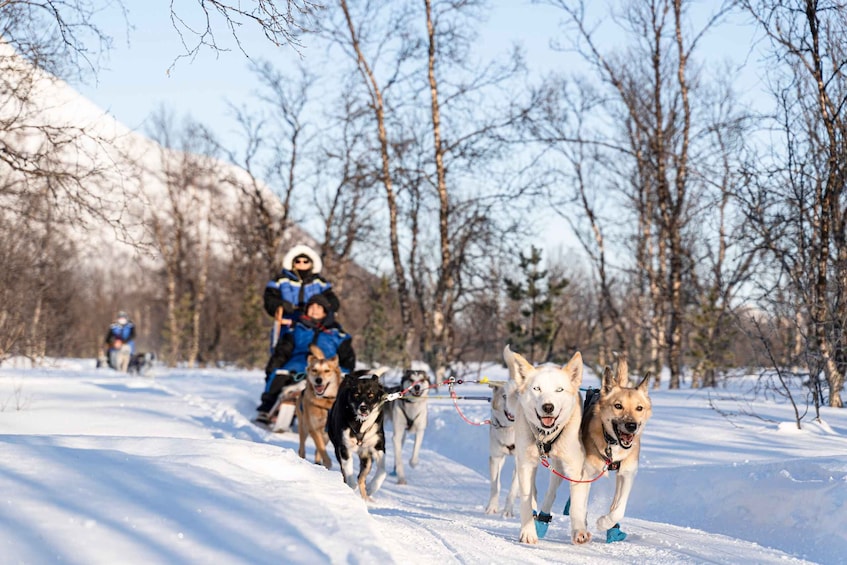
(548, 421)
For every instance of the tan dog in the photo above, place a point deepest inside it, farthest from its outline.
(549, 411)
(323, 377)
(611, 434)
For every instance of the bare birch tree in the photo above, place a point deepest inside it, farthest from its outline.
(651, 149)
(181, 232)
(199, 26)
(353, 45)
(809, 240)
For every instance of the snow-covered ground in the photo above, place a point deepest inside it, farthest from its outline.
(97, 467)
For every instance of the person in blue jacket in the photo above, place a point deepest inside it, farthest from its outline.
(285, 368)
(120, 342)
(285, 297)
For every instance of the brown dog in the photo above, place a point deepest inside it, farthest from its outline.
(323, 377)
(611, 435)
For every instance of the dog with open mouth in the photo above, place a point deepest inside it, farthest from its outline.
(614, 419)
(323, 379)
(409, 416)
(355, 427)
(501, 444)
(547, 422)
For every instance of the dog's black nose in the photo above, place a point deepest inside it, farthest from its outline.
(318, 381)
(630, 427)
(547, 407)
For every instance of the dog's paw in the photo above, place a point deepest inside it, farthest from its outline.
(401, 481)
(528, 534)
(413, 462)
(508, 513)
(605, 522)
(614, 534)
(491, 508)
(580, 537)
(542, 522)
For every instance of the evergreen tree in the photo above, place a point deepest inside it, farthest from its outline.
(381, 344)
(535, 331)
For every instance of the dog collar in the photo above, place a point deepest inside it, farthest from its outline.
(610, 441)
(545, 446)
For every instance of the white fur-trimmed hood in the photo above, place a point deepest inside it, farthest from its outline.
(302, 249)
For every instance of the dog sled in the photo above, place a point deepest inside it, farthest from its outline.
(118, 356)
(281, 417)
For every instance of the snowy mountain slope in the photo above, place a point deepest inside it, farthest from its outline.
(125, 173)
(97, 468)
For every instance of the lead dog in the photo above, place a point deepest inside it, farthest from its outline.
(547, 423)
(409, 416)
(323, 379)
(355, 427)
(611, 434)
(501, 444)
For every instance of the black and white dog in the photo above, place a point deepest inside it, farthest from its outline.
(355, 426)
(141, 363)
(408, 416)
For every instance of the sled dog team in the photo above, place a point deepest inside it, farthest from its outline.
(538, 416)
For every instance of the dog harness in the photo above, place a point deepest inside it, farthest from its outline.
(545, 446)
(409, 421)
(591, 398)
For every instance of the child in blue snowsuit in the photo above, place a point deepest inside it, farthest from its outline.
(290, 356)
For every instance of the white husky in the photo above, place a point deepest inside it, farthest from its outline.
(547, 424)
(501, 444)
(409, 416)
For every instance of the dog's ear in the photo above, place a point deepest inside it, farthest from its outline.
(316, 351)
(608, 380)
(519, 368)
(574, 369)
(622, 370)
(643, 385)
(380, 371)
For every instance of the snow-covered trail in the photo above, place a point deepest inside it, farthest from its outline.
(440, 513)
(102, 468)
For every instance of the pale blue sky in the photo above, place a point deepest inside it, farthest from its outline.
(135, 81)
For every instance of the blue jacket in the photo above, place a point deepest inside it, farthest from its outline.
(125, 333)
(292, 349)
(292, 292)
